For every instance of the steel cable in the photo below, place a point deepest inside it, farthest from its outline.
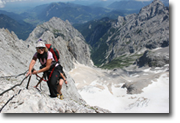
(13, 86)
(14, 75)
(11, 89)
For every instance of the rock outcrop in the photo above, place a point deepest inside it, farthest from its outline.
(15, 53)
(34, 101)
(157, 58)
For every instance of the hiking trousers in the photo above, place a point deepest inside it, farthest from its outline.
(53, 82)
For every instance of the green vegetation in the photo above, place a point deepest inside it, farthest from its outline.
(57, 33)
(98, 56)
(122, 61)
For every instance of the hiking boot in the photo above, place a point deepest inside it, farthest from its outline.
(60, 96)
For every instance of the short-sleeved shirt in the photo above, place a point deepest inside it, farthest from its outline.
(43, 62)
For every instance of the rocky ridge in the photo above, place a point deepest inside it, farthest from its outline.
(135, 33)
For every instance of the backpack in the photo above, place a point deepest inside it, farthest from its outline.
(54, 51)
(56, 56)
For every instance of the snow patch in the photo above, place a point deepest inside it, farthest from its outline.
(104, 93)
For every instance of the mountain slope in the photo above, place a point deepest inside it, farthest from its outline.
(17, 55)
(134, 34)
(94, 30)
(22, 29)
(12, 15)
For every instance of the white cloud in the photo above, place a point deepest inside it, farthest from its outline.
(2, 3)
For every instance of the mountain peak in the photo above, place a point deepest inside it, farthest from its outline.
(54, 18)
(156, 7)
(155, 2)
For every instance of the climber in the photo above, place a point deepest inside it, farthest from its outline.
(49, 67)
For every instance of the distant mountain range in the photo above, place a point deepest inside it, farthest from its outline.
(68, 11)
(74, 13)
(21, 29)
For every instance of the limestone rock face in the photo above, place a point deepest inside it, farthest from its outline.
(157, 58)
(136, 33)
(33, 101)
(15, 53)
(149, 29)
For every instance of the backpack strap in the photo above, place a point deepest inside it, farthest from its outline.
(54, 55)
(51, 73)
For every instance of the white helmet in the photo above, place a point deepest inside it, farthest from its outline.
(40, 44)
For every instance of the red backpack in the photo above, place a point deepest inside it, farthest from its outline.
(56, 56)
(54, 51)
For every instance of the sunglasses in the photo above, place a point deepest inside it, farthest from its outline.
(40, 48)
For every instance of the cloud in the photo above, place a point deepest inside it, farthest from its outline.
(2, 3)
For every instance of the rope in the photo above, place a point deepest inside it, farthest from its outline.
(41, 78)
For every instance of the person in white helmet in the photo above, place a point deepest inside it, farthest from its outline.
(48, 66)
